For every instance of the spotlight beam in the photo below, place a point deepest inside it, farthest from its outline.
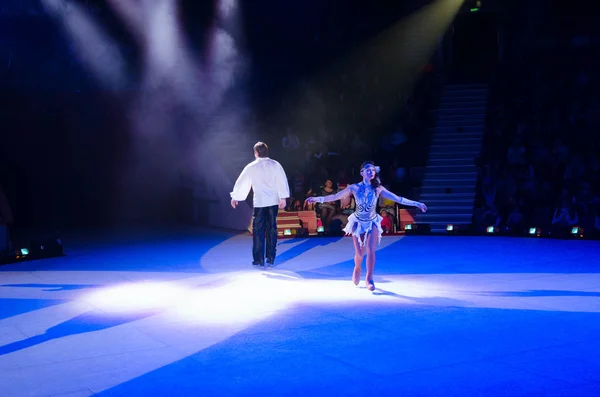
(396, 55)
(184, 100)
(91, 43)
(132, 15)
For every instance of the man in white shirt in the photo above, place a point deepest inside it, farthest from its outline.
(267, 179)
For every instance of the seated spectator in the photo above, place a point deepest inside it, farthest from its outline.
(488, 189)
(540, 154)
(327, 210)
(516, 219)
(527, 183)
(574, 171)
(516, 155)
(564, 217)
(309, 206)
(491, 217)
(295, 206)
(290, 141)
(347, 206)
(299, 185)
(387, 205)
(387, 223)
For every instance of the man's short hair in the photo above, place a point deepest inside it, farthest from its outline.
(262, 149)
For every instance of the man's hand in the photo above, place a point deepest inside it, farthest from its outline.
(234, 203)
(282, 204)
(422, 207)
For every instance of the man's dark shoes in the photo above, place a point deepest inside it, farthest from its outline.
(255, 263)
(270, 262)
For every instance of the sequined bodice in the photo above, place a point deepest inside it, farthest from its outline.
(366, 202)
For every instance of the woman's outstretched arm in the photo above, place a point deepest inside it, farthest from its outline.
(332, 197)
(401, 200)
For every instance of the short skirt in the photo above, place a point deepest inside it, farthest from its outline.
(357, 228)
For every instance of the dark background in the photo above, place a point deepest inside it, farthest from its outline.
(64, 139)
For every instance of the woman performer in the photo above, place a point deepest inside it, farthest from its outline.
(365, 224)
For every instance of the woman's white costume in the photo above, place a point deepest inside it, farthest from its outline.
(365, 216)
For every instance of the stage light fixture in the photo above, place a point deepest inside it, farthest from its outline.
(474, 6)
(491, 230)
(534, 231)
(577, 231)
(287, 232)
(320, 227)
(417, 228)
(453, 229)
(36, 249)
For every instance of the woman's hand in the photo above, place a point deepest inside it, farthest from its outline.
(312, 200)
(422, 207)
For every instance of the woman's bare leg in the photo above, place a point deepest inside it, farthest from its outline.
(370, 248)
(359, 253)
